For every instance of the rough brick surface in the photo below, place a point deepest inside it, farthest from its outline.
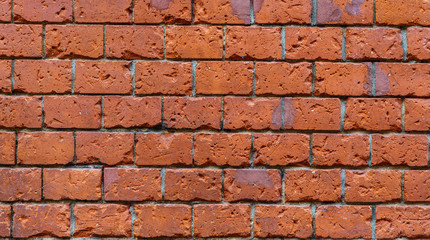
(282, 12)
(5, 76)
(416, 186)
(416, 115)
(20, 40)
(20, 112)
(402, 12)
(42, 11)
(111, 11)
(7, 151)
(344, 12)
(5, 11)
(21, 184)
(162, 11)
(5, 220)
(418, 43)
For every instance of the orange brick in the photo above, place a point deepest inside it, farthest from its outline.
(21, 40)
(282, 12)
(172, 12)
(60, 11)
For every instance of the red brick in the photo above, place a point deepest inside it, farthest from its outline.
(74, 184)
(283, 221)
(134, 42)
(373, 114)
(343, 79)
(7, 150)
(102, 220)
(164, 78)
(281, 149)
(5, 220)
(192, 112)
(41, 220)
(103, 77)
(20, 184)
(132, 184)
(340, 150)
(222, 149)
(281, 78)
(253, 185)
(344, 12)
(374, 43)
(45, 148)
(5, 75)
(418, 42)
(312, 185)
(253, 42)
(417, 186)
(406, 150)
(173, 220)
(402, 221)
(5, 11)
(193, 185)
(402, 12)
(313, 43)
(343, 222)
(105, 148)
(417, 114)
(312, 113)
(282, 12)
(102, 11)
(20, 40)
(402, 79)
(164, 149)
(130, 111)
(43, 76)
(194, 42)
(173, 12)
(372, 186)
(228, 77)
(252, 113)
(74, 41)
(75, 112)
(21, 112)
(42, 11)
(226, 220)
(222, 12)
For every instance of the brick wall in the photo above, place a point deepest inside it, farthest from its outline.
(215, 118)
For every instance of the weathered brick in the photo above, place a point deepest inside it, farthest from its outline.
(43, 76)
(418, 42)
(102, 220)
(20, 112)
(74, 184)
(252, 113)
(372, 186)
(104, 148)
(172, 220)
(42, 11)
(192, 112)
(312, 113)
(406, 150)
(194, 42)
(102, 11)
(20, 40)
(343, 79)
(417, 186)
(280, 78)
(41, 220)
(166, 78)
(222, 12)
(281, 149)
(132, 184)
(312, 185)
(5, 10)
(402, 12)
(75, 111)
(230, 77)
(131, 111)
(253, 185)
(20, 184)
(222, 149)
(283, 221)
(374, 43)
(193, 185)
(340, 150)
(5, 75)
(417, 114)
(313, 43)
(164, 149)
(7, 150)
(173, 12)
(134, 42)
(226, 220)
(261, 43)
(103, 77)
(45, 148)
(373, 114)
(343, 222)
(344, 12)
(5, 220)
(74, 41)
(282, 11)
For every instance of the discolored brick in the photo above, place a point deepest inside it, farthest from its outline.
(222, 12)
(344, 12)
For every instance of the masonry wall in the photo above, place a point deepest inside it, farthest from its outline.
(215, 118)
